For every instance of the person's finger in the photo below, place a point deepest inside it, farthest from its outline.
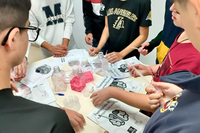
(82, 118)
(106, 132)
(150, 90)
(155, 96)
(13, 87)
(88, 40)
(93, 95)
(154, 101)
(155, 106)
(79, 121)
(96, 102)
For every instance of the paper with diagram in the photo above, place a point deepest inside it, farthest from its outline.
(125, 84)
(38, 73)
(120, 69)
(117, 117)
(41, 93)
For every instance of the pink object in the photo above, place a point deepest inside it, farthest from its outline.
(88, 77)
(77, 83)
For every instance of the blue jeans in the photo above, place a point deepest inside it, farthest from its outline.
(95, 44)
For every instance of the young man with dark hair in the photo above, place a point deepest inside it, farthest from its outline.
(18, 115)
(181, 113)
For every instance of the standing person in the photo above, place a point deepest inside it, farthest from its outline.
(181, 113)
(182, 56)
(55, 18)
(126, 27)
(165, 38)
(19, 115)
(94, 22)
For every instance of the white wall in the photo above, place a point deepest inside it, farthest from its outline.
(158, 8)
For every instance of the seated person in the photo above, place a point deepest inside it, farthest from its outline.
(55, 19)
(126, 28)
(19, 115)
(182, 56)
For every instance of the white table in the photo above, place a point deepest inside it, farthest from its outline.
(86, 105)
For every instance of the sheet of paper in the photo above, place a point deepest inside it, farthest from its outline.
(117, 117)
(41, 93)
(128, 85)
(60, 60)
(104, 82)
(120, 69)
(38, 73)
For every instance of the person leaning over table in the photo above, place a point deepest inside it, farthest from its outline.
(19, 115)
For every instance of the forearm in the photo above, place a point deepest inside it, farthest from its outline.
(137, 100)
(136, 43)
(155, 68)
(46, 46)
(104, 38)
(65, 41)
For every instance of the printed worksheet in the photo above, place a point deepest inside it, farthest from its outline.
(118, 117)
(128, 85)
(120, 69)
(104, 82)
(38, 73)
(125, 84)
(41, 93)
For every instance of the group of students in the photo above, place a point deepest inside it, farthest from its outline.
(174, 106)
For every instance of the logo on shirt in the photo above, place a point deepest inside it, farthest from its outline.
(119, 23)
(170, 105)
(149, 16)
(53, 18)
(102, 8)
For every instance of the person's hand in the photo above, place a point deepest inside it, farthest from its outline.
(13, 87)
(154, 97)
(114, 57)
(166, 91)
(20, 70)
(101, 96)
(77, 120)
(59, 50)
(89, 39)
(93, 51)
(142, 50)
(144, 70)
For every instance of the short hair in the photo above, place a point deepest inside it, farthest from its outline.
(13, 13)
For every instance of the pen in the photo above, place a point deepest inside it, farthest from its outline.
(137, 48)
(91, 52)
(60, 94)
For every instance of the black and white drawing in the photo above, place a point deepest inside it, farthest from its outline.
(44, 69)
(132, 130)
(123, 68)
(118, 118)
(119, 84)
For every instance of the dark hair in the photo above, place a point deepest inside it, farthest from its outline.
(13, 13)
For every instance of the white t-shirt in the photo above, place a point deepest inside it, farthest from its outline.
(55, 18)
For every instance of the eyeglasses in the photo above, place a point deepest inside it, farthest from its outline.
(32, 31)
